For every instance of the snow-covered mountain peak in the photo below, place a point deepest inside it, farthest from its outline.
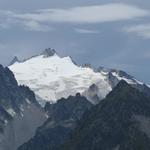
(52, 77)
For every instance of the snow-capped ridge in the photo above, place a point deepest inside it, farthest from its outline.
(47, 53)
(116, 72)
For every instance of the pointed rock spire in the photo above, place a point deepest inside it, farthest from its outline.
(87, 65)
(48, 52)
(14, 60)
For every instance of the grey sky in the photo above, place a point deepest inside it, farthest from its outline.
(108, 33)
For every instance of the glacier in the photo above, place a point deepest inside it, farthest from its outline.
(52, 77)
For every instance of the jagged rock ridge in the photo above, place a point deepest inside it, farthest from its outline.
(63, 118)
(20, 113)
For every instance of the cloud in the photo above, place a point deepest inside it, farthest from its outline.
(35, 26)
(140, 30)
(86, 31)
(86, 14)
(36, 20)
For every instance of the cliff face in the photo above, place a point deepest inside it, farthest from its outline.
(63, 118)
(20, 114)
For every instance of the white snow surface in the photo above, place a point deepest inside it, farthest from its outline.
(52, 78)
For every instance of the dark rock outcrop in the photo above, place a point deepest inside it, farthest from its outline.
(48, 52)
(63, 118)
(119, 122)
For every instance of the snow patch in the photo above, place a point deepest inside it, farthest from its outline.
(27, 100)
(11, 112)
(6, 122)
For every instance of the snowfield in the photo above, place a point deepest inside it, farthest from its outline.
(53, 77)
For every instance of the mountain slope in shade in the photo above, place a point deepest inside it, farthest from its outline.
(63, 118)
(20, 114)
(119, 122)
(52, 77)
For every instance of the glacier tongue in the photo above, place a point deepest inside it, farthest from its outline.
(53, 77)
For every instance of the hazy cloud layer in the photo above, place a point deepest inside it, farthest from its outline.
(140, 30)
(36, 20)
